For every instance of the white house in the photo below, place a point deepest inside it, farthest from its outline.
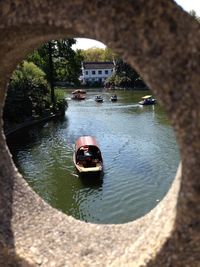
(96, 71)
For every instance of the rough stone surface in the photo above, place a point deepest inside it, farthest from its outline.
(162, 43)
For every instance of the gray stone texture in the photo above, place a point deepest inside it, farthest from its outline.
(162, 43)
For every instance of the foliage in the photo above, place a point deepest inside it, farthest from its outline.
(124, 76)
(61, 102)
(194, 15)
(98, 54)
(27, 73)
(66, 62)
(27, 92)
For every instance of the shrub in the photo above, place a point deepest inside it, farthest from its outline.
(27, 93)
(61, 102)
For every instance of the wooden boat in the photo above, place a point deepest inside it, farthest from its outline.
(147, 100)
(113, 98)
(78, 94)
(87, 155)
(98, 98)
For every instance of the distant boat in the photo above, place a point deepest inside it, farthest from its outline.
(87, 155)
(113, 98)
(147, 100)
(98, 98)
(79, 94)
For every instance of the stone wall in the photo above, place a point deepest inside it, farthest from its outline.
(162, 43)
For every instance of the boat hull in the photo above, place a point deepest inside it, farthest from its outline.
(99, 99)
(89, 169)
(78, 98)
(147, 103)
(113, 98)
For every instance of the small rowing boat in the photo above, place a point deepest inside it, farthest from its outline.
(87, 155)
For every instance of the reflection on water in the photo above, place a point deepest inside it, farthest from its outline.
(138, 147)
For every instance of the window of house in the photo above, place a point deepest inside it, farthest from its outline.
(93, 72)
(99, 71)
(86, 72)
(106, 71)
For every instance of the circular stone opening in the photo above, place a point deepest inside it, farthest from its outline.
(140, 153)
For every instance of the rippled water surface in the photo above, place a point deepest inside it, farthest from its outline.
(139, 150)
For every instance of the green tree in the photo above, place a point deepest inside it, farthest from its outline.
(50, 47)
(124, 75)
(109, 55)
(194, 15)
(98, 54)
(124, 69)
(27, 93)
(59, 62)
(93, 54)
(66, 63)
(43, 58)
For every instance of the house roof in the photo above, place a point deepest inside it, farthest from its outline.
(98, 65)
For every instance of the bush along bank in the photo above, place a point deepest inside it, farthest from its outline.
(29, 99)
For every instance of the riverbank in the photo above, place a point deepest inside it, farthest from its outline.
(65, 86)
(12, 128)
(15, 122)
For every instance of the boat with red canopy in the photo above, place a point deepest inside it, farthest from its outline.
(79, 94)
(87, 155)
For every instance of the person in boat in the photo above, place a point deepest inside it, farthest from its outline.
(113, 97)
(85, 156)
(91, 157)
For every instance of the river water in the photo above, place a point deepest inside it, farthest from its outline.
(139, 149)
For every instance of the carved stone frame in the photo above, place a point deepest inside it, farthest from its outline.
(162, 43)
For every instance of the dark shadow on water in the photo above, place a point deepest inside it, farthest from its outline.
(92, 179)
(34, 133)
